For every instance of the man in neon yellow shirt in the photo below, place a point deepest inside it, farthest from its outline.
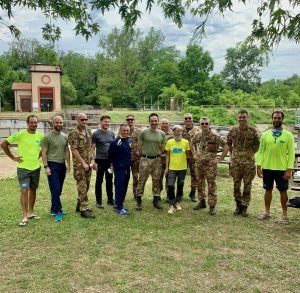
(275, 161)
(176, 165)
(29, 166)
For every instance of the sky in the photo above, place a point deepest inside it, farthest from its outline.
(221, 33)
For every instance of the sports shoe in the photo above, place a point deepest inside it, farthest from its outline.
(54, 214)
(116, 209)
(99, 205)
(171, 210)
(58, 217)
(123, 212)
(178, 207)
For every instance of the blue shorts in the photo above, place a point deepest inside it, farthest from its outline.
(28, 178)
(269, 176)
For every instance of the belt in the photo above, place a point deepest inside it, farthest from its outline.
(150, 157)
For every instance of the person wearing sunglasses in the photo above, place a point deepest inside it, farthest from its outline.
(204, 147)
(80, 143)
(188, 132)
(134, 133)
(243, 143)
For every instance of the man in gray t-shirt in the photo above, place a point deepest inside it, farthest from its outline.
(101, 140)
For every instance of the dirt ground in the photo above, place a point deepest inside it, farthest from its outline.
(7, 167)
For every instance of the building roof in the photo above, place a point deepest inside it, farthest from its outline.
(21, 86)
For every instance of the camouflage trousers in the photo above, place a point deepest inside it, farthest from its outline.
(162, 176)
(192, 166)
(245, 173)
(83, 179)
(207, 170)
(149, 167)
(135, 175)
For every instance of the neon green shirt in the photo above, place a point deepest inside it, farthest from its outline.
(177, 151)
(28, 148)
(276, 153)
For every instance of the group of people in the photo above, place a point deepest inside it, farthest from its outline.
(158, 151)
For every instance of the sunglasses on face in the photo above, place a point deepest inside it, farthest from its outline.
(204, 123)
(129, 119)
(188, 118)
(84, 119)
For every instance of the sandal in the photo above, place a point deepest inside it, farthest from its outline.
(263, 216)
(23, 223)
(34, 217)
(284, 221)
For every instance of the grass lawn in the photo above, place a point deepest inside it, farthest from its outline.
(148, 251)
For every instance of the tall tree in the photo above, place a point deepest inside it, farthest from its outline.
(242, 68)
(272, 23)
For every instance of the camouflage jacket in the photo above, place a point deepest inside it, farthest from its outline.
(243, 144)
(134, 135)
(169, 133)
(80, 140)
(207, 144)
(189, 133)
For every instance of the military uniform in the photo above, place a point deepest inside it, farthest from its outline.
(188, 134)
(81, 140)
(243, 144)
(206, 146)
(169, 134)
(134, 135)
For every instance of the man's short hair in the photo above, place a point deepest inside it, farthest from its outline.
(243, 111)
(123, 125)
(31, 116)
(177, 127)
(278, 112)
(102, 117)
(153, 114)
(188, 115)
(130, 115)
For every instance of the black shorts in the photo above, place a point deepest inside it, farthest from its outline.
(270, 175)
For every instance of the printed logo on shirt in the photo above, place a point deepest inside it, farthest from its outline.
(282, 141)
(177, 150)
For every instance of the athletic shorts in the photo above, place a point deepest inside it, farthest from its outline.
(269, 176)
(28, 178)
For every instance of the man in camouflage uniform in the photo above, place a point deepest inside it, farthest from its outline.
(165, 127)
(243, 143)
(189, 130)
(204, 146)
(80, 143)
(134, 135)
(151, 146)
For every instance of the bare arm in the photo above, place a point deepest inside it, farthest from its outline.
(167, 163)
(224, 153)
(5, 146)
(45, 161)
(67, 158)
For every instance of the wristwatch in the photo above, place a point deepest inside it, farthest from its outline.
(45, 167)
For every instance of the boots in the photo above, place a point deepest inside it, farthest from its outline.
(212, 210)
(238, 209)
(201, 205)
(156, 202)
(244, 211)
(193, 196)
(139, 203)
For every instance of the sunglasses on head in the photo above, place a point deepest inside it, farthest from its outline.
(84, 119)
(129, 119)
(188, 118)
(204, 123)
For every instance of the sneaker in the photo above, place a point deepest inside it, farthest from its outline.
(116, 209)
(178, 207)
(54, 214)
(99, 205)
(123, 212)
(171, 210)
(58, 217)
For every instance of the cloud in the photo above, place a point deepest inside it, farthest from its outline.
(222, 32)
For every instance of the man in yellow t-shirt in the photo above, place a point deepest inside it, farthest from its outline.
(29, 166)
(177, 149)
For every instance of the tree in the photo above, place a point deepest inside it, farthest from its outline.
(195, 66)
(272, 23)
(242, 68)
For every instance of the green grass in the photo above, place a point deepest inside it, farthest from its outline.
(149, 251)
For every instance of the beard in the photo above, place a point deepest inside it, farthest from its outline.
(58, 128)
(277, 124)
